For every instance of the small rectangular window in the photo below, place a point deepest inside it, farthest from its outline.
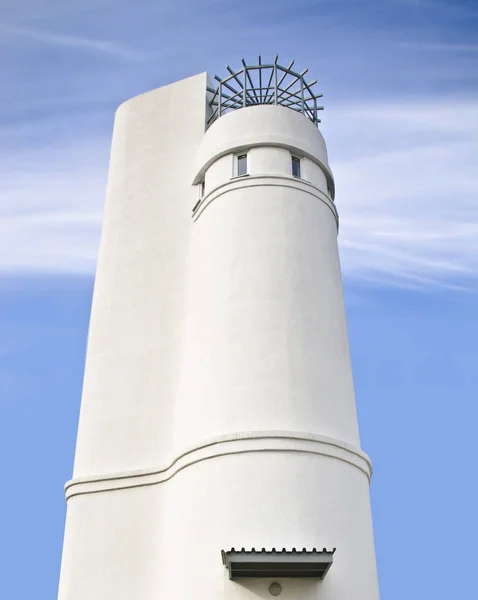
(202, 188)
(296, 166)
(241, 164)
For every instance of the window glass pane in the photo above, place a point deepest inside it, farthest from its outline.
(242, 164)
(295, 166)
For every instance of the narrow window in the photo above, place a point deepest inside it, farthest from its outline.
(296, 166)
(241, 164)
(202, 188)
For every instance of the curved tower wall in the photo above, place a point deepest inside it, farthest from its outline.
(218, 408)
(265, 345)
(141, 280)
(111, 540)
(265, 378)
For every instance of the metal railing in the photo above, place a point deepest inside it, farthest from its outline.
(248, 87)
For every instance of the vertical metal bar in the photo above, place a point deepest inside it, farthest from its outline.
(275, 83)
(245, 86)
(315, 111)
(302, 95)
(260, 79)
(220, 99)
(253, 98)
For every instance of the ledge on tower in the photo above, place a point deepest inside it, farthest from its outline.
(277, 563)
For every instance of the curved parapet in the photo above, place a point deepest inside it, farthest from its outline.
(264, 126)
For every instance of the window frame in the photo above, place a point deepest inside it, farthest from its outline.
(296, 160)
(238, 157)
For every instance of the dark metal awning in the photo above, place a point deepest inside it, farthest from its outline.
(277, 563)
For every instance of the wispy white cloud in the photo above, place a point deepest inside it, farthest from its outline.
(76, 42)
(28, 11)
(51, 209)
(407, 193)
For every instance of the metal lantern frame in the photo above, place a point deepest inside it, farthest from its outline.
(248, 87)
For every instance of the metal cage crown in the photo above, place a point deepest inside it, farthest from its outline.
(264, 84)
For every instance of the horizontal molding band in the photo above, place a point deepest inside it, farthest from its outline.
(262, 180)
(226, 445)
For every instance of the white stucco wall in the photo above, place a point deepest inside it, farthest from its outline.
(265, 343)
(263, 160)
(219, 172)
(138, 302)
(272, 160)
(218, 407)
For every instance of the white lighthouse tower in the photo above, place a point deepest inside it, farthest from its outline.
(218, 453)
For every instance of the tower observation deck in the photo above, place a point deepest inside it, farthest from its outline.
(264, 83)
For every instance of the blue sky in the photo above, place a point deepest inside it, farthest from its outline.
(400, 87)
